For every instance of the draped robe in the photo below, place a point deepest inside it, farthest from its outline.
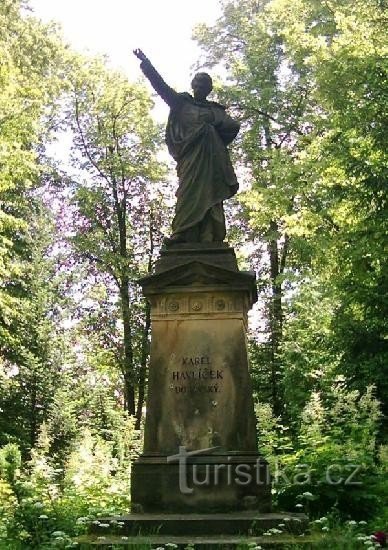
(197, 135)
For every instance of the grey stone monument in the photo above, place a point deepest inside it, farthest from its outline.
(200, 473)
(199, 394)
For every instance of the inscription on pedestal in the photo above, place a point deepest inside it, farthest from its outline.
(196, 375)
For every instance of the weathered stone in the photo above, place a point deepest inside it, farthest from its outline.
(205, 542)
(197, 525)
(219, 254)
(199, 389)
(209, 483)
(199, 394)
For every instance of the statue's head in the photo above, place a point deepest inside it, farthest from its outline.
(202, 85)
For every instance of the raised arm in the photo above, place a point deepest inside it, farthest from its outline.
(170, 96)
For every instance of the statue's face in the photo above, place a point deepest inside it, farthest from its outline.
(201, 87)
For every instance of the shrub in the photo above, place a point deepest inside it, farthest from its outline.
(331, 457)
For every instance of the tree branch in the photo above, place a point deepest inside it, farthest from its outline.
(283, 257)
(86, 149)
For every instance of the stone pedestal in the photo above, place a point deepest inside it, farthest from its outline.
(200, 448)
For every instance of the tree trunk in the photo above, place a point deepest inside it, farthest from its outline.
(143, 366)
(129, 387)
(275, 305)
(33, 417)
(275, 316)
(145, 335)
(128, 367)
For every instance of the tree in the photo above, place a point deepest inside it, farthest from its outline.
(119, 206)
(31, 82)
(271, 98)
(317, 168)
(34, 61)
(35, 364)
(343, 48)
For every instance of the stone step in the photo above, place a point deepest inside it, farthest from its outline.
(220, 542)
(248, 523)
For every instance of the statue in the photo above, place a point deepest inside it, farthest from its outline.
(197, 134)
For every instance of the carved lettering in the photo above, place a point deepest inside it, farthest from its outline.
(180, 389)
(198, 379)
(202, 374)
(196, 361)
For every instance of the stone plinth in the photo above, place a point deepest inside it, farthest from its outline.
(200, 525)
(199, 394)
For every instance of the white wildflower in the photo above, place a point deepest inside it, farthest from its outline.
(56, 534)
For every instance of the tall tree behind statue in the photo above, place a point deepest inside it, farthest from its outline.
(119, 206)
(309, 152)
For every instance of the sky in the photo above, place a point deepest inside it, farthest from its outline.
(161, 28)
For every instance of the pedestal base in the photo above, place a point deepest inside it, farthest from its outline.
(206, 483)
(199, 525)
(202, 531)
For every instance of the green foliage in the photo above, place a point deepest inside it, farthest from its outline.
(44, 507)
(347, 164)
(330, 459)
(308, 80)
(35, 355)
(10, 462)
(31, 78)
(118, 205)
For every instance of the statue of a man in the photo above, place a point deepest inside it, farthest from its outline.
(197, 134)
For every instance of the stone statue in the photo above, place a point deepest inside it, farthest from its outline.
(197, 134)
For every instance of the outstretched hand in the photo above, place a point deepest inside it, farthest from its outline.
(140, 55)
